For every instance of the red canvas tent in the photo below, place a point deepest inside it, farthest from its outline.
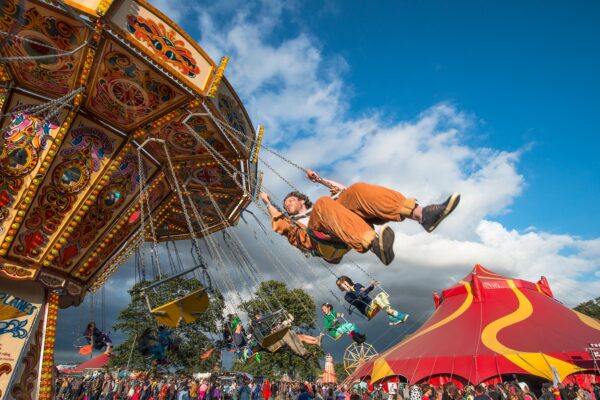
(488, 326)
(95, 363)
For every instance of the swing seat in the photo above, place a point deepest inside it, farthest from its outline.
(328, 247)
(371, 311)
(271, 328)
(335, 338)
(184, 309)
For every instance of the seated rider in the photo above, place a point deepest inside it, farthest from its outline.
(97, 338)
(156, 347)
(228, 336)
(358, 296)
(240, 339)
(351, 217)
(336, 329)
(294, 341)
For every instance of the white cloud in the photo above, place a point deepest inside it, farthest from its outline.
(291, 86)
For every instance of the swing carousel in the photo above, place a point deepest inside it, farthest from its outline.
(113, 132)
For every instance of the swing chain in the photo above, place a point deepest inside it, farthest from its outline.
(144, 195)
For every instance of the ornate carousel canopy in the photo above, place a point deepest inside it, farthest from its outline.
(83, 86)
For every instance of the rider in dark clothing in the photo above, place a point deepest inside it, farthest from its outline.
(97, 338)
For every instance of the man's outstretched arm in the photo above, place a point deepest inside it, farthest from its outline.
(334, 186)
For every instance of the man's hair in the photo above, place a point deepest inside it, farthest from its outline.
(327, 305)
(299, 196)
(343, 279)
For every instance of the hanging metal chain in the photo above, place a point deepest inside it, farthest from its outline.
(144, 195)
(237, 133)
(177, 256)
(37, 43)
(42, 57)
(92, 308)
(222, 161)
(140, 264)
(227, 129)
(209, 240)
(182, 202)
(59, 102)
(242, 249)
(103, 307)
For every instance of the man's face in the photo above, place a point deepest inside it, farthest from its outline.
(293, 205)
(325, 310)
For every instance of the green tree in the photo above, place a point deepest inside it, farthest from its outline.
(194, 339)
(274, 295)
(340, 371)
(590, 308)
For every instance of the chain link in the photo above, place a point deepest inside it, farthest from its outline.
(40, 108)
(42, 57)
(37, 43)
(144, 198)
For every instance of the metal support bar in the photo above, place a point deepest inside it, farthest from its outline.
(170, 278)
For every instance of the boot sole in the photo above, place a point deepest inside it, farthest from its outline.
(386, 244)
(452, 204)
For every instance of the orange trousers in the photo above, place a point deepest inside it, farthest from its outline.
(351, 217)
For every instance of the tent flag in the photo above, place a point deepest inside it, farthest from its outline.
(555, 377)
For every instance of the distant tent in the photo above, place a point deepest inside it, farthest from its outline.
(99, 362)
(488, 327)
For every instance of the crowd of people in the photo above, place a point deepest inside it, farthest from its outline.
(147, 387)
(142, 387)
(450, 391)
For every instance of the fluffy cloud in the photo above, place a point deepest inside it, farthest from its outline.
(291, 87)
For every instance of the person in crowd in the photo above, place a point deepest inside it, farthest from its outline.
(217, 392)
(244, 392)
(527, 394)
(415, 393)
(304, 395)
(427, 391)
(514, 392)
(481, 393)
(266, 389)
(451, 391)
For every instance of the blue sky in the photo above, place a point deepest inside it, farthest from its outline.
(527, 70)
(496, 99)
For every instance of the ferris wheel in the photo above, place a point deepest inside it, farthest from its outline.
(356, 354)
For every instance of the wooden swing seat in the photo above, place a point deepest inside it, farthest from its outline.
(185, 309)
(327, 246)
(270, 329)
(371, 311)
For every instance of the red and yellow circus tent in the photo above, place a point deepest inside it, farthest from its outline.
(489, 326)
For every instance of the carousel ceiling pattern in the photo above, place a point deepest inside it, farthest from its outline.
(83, 84)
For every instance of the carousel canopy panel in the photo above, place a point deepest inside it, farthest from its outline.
(96, 99)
